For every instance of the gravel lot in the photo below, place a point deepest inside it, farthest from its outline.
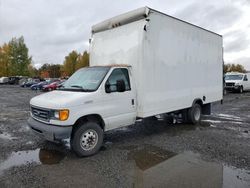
(151, 153)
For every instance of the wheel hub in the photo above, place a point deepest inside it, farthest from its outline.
(89, 139)
(197, 114)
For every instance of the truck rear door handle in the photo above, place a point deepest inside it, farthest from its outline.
(133, 101)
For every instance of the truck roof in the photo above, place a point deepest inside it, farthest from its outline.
(134, 15)
(113, 65)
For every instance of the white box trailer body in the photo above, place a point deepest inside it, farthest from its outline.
(173, 62)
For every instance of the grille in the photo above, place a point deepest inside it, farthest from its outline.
(41, 114)
(229, 84)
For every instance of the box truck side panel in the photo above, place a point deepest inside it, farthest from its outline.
(181, 62)
(121, 45)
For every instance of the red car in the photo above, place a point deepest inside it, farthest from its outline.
(51, 86)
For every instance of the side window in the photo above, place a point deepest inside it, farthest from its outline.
(245, 78)
(118, 74)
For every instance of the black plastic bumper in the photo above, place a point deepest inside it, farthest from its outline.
(50, 132)
(232, 88)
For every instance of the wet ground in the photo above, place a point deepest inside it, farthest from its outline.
(150, 153)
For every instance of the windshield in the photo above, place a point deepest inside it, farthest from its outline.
(86, 79)
(234, 77)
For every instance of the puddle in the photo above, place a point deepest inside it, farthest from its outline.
(214, 126)
(229, 116)
(24, 129)
(50, 156)
(155, 167)
(29, 143)
(225, 121)
(38, 156)
(211, 121)
(7, 136)
(149, 157)
(233, 177)
(244, 135)
(176, 129)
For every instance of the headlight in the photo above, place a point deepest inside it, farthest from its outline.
(237, 84)
(61, 115)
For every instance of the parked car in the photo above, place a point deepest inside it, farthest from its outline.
(4, 80)
(23, 79)
(30, 83)
(39, 85)
(51, 86)
(13, 80)
(235, 81)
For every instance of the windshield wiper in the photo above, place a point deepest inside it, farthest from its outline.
(81, 88)
(77, 86)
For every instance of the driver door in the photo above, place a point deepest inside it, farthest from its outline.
(121, 109)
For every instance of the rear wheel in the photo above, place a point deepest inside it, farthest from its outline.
(194, 114)
(87, 139)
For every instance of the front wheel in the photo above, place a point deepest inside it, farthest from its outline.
(241, 89)
(194, 114)
(87, 139)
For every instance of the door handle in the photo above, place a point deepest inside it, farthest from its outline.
(133, 101)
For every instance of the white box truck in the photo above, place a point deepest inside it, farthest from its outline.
(142, 63)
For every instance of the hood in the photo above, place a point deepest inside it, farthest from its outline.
(61, 99)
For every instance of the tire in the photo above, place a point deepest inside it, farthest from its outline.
(84, 134)
(194, 114)
(184, 115)
(241, 89)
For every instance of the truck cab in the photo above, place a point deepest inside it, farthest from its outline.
(102, 97)
(235, 81)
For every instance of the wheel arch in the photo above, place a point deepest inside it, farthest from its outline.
(205, 108)
(90, 117)
(197, 101)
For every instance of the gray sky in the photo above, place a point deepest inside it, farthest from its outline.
(53, 28)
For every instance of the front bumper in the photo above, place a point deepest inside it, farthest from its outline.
(50, 132)
(232, 88)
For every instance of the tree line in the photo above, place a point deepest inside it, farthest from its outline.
(16, 61)
(72, 63)
(234, 68)
(14, 58)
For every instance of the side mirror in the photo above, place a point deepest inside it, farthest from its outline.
(120, 85)
(107, 88)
